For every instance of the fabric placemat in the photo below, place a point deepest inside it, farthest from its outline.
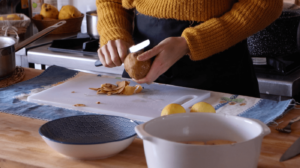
(249, 107)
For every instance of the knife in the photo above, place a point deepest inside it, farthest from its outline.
(132, 49)
(292, 151)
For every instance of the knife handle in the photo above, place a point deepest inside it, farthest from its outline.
(98, 63)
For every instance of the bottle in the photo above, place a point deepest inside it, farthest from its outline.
(36, 6)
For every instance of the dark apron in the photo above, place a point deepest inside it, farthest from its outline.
(230, 71)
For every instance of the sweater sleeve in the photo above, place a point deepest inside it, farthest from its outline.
(245, 18)
(114, 21)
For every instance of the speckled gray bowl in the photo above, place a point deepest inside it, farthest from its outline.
(89, 136)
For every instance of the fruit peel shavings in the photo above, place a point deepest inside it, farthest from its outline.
(121, 87)
(79, 105)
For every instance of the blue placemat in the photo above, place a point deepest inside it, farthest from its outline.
(12, 105)
(263, 109)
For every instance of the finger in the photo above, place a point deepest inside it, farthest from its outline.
(114, 55)
(106, 54)
(152, 75)
(101, 57)
(141, 81)
(122, 50)
(150, 53)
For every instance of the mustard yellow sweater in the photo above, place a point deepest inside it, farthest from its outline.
(225, 22)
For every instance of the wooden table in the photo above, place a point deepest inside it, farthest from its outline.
(22, 147)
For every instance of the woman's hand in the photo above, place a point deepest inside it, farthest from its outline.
(113, 53)
(167, 53)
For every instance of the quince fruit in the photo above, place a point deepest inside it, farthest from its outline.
(49, 11)
(37, 17)
(68, 12)
(172, 108)
(203, 107)
(13, 17)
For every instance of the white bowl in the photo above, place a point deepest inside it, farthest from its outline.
(161, 137)
(89, 136)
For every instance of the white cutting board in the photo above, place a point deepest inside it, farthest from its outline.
(143, 106)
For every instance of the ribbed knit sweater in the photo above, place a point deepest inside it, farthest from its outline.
(225, 22)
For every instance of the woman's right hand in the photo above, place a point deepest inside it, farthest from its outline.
(113, 53)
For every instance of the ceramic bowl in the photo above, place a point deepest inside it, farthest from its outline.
(89, 136)
(162, 137)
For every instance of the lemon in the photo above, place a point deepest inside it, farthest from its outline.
(203, 107)
(172, 109)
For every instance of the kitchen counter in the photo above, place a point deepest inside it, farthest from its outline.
(21, 145)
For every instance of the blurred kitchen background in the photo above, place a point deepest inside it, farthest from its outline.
(278, 74)
(23, 6)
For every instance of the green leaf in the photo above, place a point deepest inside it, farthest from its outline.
(226, 99)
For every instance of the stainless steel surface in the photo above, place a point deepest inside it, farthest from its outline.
(41, 55)
(6, 42)
(292, 151)
(259, 60)
(7, 56)
(21, 55)
(280, 85)
(8, 46)
(91, 23)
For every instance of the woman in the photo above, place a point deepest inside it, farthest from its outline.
(193, 43)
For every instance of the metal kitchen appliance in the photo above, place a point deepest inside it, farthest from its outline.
(83, 44)
(8, 46)
(276, 49)
(275, 53)
(91, 23)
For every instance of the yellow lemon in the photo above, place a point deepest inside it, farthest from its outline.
(203, 107)
(172, 109)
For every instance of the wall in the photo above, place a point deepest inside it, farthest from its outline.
(292, 1)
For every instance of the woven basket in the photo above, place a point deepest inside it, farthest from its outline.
(71, 26)
(21, 25)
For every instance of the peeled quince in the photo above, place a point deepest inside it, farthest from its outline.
(49, 11)
(136, 69)
(68, 12)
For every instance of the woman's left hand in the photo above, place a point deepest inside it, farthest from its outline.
(167, 53)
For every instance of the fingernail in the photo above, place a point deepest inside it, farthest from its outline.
(138, 58)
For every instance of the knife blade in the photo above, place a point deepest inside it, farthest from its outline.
(292, 151)
(132, 49)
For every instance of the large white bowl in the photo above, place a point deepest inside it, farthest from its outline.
(89, 136)
(161, 136)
